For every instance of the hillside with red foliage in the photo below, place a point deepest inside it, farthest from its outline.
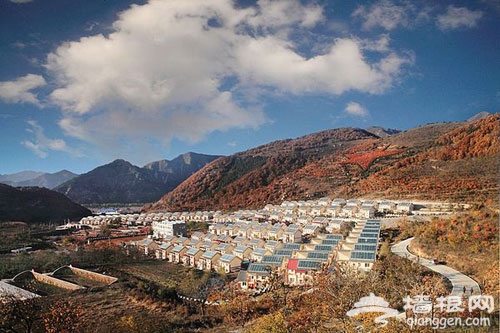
(364, 159)
(463, 164)
(445, 161)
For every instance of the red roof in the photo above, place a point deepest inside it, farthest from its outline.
(292, 264)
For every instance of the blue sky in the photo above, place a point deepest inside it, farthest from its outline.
(85, 82)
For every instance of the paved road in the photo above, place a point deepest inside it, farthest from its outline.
(457, 279)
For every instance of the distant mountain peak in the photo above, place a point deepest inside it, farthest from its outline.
(382, 132)
(478, 116)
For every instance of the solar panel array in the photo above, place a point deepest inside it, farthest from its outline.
(192, 251)
(334, 242)
(272, 260)
(308, 264)
(259, 251)
(209, 254)
(283, 252)
(365, 247)
(178, 248)
(363, 256)
(368, 235)
(291, 246)
(258, 268)
(324, 248)
(367, 240)
(317, 255)
(334, 236)
(227, 257)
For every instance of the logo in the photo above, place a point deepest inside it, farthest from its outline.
(373, 303)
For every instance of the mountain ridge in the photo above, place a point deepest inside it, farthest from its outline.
(122, 182)
(348, 162)
(36, 178)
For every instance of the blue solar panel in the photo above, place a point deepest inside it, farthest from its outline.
(324, 248)
(367, 240)
(308, 264)
(368, 235)
(291, 246)
(362, 255)
(334, 236)
(365, 247)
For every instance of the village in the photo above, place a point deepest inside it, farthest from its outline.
(293, 241)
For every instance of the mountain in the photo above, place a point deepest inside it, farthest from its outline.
(122, 182)
(39, 179)
(256, 176)
(181, 167)
(461, 165)
(381, 131)
(49, 180)
(35, 204)
(446, 161)
(19, 177)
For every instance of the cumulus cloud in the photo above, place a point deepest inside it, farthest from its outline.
(356, 109)
(458, 17)
(41, 145)
(183, 69)
(19, 90)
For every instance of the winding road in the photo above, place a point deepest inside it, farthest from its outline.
(457, 279)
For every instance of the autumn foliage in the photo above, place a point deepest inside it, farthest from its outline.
(448, 161)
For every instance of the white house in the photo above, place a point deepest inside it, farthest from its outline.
(169, 228)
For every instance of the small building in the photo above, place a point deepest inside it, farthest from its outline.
(320, 221)
(366, 212)
(259, 253)
(405, 207)
(387, 207)
(256, 243)
(275, 262)
(198, 235)
(192, 256)
(300, 272)
(292, 234)
(147, 245)
(272, 245)
(224, 248)
(310, 229)
(242, 252)
(257, 276)
(163, 250)
(208, 260)
(229, 263)
(276, 231)
(177, 253)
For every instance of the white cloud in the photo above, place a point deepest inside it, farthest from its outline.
(21, 1)
(356, 109)
(18, 90)
(41, 145)
(163, 71)
(458, 17)
(384, 14)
